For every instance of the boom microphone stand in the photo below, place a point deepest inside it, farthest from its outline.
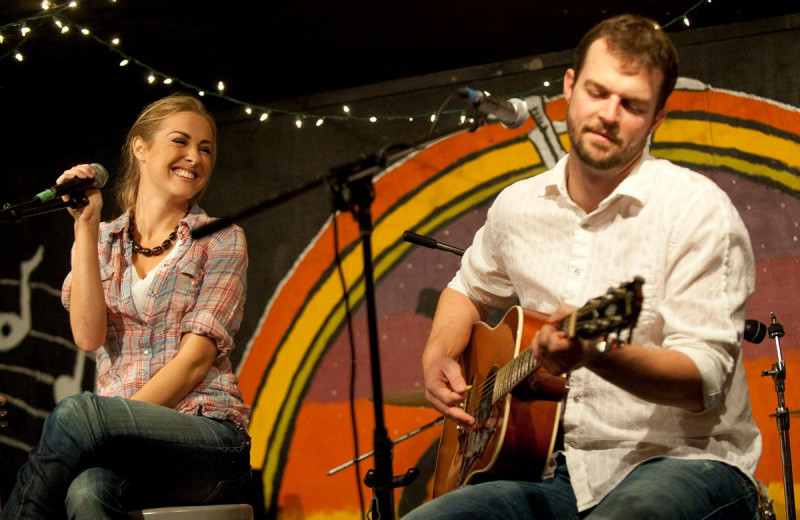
(754, 332)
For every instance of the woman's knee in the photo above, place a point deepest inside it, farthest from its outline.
(94, 489)
(73, 409)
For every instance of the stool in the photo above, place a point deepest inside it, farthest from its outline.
(210, 512)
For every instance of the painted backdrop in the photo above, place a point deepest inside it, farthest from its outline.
(734, 117)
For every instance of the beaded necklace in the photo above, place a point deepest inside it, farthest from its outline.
(165, 245)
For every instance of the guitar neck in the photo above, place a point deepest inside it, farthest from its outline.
(617, 309)
(513, 373)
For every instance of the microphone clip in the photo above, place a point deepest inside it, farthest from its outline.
(33, 208)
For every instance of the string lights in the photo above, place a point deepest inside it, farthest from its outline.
(58, 14)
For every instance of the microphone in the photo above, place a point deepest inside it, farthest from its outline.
(754, 331)
(75, 184)
(422, 240)
(511, 113)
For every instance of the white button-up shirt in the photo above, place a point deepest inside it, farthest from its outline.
(680, 232)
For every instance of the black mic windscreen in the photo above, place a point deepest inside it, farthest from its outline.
(754, 331)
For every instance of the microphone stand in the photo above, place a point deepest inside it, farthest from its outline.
(354, 192)
(778, 373)
(35, 207)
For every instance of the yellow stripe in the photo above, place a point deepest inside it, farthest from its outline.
(288, 360)
(725, 136)
(706, 159)
(292, 400)
(491, 165)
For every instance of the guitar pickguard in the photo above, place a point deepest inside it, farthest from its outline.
(473, 443)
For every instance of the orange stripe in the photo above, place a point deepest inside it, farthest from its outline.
(738, 106)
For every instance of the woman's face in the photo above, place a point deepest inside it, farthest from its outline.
(177, 162)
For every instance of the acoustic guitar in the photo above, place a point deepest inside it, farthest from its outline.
(517, 403)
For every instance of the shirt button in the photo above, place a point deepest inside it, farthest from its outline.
(576, 272)
(146, 352)
(577, 399)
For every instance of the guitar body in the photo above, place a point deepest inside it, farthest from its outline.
(518, 430)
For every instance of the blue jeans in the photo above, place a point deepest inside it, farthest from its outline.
(661, 489)
(99, 457)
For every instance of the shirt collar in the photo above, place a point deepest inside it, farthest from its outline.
(636, 185)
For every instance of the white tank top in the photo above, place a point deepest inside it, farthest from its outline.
(139, 286)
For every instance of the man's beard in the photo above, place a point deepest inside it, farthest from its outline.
(607, 161)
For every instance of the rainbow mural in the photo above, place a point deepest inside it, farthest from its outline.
(297, 368)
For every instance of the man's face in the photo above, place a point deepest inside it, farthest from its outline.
(611, 110)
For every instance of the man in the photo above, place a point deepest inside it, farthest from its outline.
(658, 429)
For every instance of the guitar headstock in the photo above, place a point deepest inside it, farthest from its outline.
(615, 311)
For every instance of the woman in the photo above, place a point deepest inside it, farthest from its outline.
(167, 425)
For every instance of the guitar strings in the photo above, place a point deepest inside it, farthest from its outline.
(518, 362)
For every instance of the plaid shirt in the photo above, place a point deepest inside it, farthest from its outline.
(200, 290)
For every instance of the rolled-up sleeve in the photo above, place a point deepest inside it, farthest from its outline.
(218, 310)
(710, 275)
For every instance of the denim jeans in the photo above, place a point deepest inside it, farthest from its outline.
(661, 489)
(99, 457)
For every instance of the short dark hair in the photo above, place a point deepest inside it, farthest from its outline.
(636, 38)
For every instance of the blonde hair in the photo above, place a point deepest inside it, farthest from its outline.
(145, 127)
